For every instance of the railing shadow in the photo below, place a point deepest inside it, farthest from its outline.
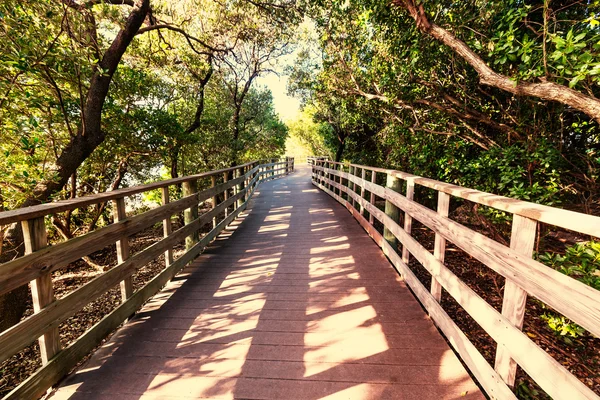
(297, 303)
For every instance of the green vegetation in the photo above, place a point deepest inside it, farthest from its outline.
(409, 85)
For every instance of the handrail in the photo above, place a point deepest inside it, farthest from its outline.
(41, 260)
(583, 223)
(524, 276)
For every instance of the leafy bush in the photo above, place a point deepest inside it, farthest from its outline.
(581, 261)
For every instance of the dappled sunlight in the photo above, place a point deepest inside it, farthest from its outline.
(350, 345)
(326, 228)
(273, 228)
(323, 249)
(190, 386)
(275, 210)
(278, 217)
(293, 303)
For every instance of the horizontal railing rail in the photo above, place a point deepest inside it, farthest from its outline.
(233, 187)
(524, 275)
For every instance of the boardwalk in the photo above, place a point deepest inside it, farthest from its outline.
(295, 301)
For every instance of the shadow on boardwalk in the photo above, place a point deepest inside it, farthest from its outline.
(295, 301)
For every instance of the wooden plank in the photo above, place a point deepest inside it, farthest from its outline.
(122, 248)
(226, 192)
(21, 335)
(42, 291)
(213, 183)
(515, 299)
(167, 226)
(410, 193)
(21, 214)
(362, 191)
(573, 299)
(240, 187)
(552, 376)
(439, 249)
(372, 198)
(24, 269)
(578, 222)
(190, 214)
(391, 210)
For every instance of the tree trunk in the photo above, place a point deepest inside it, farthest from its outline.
(89, 136)
(340, 150)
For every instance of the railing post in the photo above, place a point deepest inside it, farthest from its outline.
(42, 292)
(213, 183)
(226, 192)
(349, 183)
(362, 191)
(167, 227)
(341, 180)
(354, 186)
(522, 240)
(190, 214)
(410, 194)
(372, 199)
(439, 249)
(240, 187)
(391, 210)
(122, 248)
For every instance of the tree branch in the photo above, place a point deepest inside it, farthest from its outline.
(544, 90)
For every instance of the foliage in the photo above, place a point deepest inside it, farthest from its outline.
(50, 52)
(580, 261)
(426, 111)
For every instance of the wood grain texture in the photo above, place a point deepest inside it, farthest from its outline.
(297, 329)
(42, 290)
(167, 225)
(190, 214)
(515, 299)
(439, 248)
(123, 250)
(410, 192)
(21, 270)
(551, 376)
(21, 214)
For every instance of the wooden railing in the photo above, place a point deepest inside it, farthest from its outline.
(234, 185)
(355, 186)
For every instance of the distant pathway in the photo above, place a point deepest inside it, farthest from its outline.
(296, 302)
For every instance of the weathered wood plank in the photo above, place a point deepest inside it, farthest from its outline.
(552, 376)
(410, 193)
(21, 214)
(439, 248)
(575, 300)
(190, 214)
(167, 226)
(42, 291)
(122, 248)
(19, 336)
(24, 269)
(515, 299)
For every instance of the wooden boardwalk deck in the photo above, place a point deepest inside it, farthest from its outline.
(294, 301)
